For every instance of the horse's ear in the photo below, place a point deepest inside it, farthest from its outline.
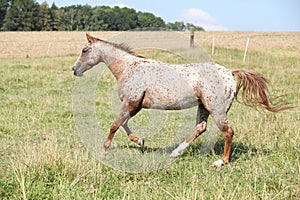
(90, 38)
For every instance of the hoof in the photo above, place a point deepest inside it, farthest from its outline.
(217, 163)
(141, 142)
(174, 154)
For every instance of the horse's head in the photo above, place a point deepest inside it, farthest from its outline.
(88, 57)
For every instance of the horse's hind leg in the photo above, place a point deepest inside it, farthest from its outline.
(201, 121)
(222, 123)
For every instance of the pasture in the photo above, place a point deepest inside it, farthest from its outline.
(42, 156)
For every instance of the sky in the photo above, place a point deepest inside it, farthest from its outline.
(214, 15)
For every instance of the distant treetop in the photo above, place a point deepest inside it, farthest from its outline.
(28, 15)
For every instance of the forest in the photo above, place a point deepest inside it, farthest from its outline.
(29, 15)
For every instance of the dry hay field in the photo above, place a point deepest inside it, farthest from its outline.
(43, 157)
(37, 44)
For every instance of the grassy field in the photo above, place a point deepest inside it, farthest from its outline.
(42, 156)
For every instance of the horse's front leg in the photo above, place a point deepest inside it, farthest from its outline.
(121, 119)
(132, 137)
(128, 110)
(134, 107)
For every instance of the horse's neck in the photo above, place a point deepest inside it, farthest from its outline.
(115, 59)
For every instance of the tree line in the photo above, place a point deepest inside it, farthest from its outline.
(29, 15)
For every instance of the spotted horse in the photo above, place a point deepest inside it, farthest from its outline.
(150, 84)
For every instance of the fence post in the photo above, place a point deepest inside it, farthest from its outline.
(48, 50)
(246, 48)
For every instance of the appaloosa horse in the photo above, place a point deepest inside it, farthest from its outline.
(147, 83)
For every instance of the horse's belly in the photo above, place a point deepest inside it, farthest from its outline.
(171, 98)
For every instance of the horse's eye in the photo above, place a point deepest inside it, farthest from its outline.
(85, 50)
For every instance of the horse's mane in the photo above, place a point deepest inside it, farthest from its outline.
(123, 46)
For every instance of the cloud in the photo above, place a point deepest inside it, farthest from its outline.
(201, 18)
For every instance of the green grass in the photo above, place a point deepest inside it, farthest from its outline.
(42, 156)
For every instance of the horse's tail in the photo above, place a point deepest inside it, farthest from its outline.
(255, 91)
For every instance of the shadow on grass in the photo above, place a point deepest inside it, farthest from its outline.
(146, 149)
(238, 150)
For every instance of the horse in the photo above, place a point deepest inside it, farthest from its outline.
(149, 84)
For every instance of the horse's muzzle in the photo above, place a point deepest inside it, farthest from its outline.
(75, 72)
